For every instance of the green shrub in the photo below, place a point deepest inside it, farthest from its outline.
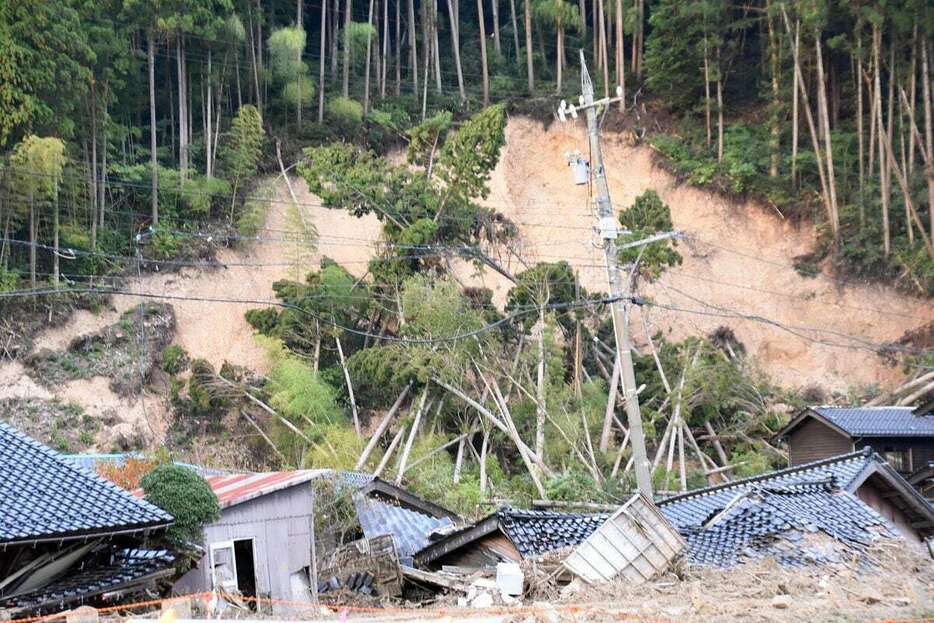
(8, 280)
(174, 359)
(263, 320)
(345, 112)
(186, 496)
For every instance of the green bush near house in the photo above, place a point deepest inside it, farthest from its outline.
(186, 496)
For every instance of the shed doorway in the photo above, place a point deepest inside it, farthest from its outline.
(246, 569)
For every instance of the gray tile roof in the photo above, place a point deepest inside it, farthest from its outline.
(879, 421)
(774, 521)
(694, 508)
(538, 532)
(43, 496)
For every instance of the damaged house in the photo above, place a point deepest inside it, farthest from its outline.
(68, 536)
(846, 501)
(509, 535)
(264, 544)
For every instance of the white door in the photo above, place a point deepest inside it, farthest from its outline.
(223, 567)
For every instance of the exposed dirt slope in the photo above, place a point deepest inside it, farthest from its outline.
(737, 261)
(214, 331)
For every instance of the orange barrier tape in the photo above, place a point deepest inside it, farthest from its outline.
(411, 613)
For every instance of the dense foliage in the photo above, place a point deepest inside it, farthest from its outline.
(185, 495)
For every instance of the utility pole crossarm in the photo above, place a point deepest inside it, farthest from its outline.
(619, 293)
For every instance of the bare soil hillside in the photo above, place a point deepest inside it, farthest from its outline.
(737, 271)
(737, 262)
(215, 331)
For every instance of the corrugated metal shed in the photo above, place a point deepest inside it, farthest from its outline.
(43, 496)
(233, 489)
(636, 542)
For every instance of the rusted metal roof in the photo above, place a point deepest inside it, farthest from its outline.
(233, 489)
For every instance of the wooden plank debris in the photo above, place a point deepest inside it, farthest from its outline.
(636, 542)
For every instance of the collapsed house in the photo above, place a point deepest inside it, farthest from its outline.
(509, 535)
(825, 512)
(865, 475)
(68, 536)
(265, 543)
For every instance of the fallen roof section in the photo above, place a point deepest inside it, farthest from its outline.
(124, 571)
(532, 532)
(786, 523)
(849, 473)
(43, 497)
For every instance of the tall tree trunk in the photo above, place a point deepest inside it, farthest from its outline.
(322, 46)
(436, 48)
(413, 47)
(208, 144)
(154, 169)
(453, 12)
(707, 109)
(515, 27)
(828, 144)
(529, 65)
(913, 96)
(259, 55)
(398, 54)
(776, 106)
(496, 42)
(620, 54)
(348, 15)
(102, 186)
(385, 66)
(583, 11)
(638, 38)
(927, 78)
(335, 38)
(483, 61)
(883, 166)
(719, 111)
(55, 259)
(559, 60)
(182, 108)
(254, 63)
(366, 71)
(92, 178)
(859, 123)
(32, 240)
(794, 104)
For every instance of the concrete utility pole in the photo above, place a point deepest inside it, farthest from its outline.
(619, 292)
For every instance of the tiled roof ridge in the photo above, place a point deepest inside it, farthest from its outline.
(865, 452)
(531, 513)
(58, 458)
(864, 408)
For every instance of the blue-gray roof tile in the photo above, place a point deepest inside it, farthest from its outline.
(44, 496)
(879, 421)
(694, 508)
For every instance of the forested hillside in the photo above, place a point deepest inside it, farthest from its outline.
(163, 162)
